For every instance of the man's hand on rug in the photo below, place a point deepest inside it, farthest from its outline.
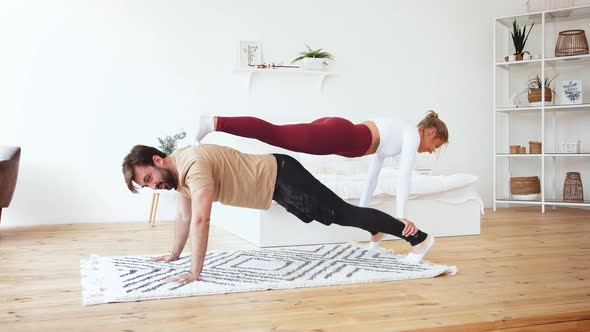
(183, 278)
(165, 258)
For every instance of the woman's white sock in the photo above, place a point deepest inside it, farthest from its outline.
(374, 245)
(205, 127)
(420, 250)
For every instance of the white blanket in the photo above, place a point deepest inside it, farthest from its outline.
(350, 186)
(452, 189)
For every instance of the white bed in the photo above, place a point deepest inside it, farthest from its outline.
(442, 206)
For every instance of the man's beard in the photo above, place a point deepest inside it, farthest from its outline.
(168, 182)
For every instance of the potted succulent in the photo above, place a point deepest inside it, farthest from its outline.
(534, 88)
(313, 59)
(519, 39)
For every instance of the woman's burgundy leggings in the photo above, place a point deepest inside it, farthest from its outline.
(323, 136)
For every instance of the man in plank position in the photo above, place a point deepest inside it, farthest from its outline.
(205, 174)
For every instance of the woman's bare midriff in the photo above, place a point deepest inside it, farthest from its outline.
(374, 137)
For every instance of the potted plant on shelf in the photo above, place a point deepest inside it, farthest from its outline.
(313, 59)
(534, 89)
(519, 39)
(168, 143)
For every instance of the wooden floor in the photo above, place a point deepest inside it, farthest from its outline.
(525, 272)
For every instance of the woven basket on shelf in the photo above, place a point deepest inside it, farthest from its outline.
(572, 187)
(514, 149)
(534, 147)
(525, 185)
(571, 42)
(535, 95)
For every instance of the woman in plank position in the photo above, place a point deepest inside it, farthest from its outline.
(384, 137)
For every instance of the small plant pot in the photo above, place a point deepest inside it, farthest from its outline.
(312, 64)
(535, 96)
(518, 57)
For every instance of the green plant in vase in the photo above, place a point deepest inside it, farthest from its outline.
(313, 59)
(519, 38)
(168, 143)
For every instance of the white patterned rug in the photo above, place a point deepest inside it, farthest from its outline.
(134, 278)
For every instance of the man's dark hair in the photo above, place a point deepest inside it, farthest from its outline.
(140, 155)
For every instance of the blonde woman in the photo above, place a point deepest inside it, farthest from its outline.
(384, 137)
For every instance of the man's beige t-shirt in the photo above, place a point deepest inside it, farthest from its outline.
(238, 179)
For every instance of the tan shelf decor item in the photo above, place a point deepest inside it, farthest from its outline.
(572, 187)
(534, 95)
(571, 42)
(525, 185)
(535, 87)
(535, 147)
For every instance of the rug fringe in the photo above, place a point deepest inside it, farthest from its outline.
(92, 283)
(450, 269)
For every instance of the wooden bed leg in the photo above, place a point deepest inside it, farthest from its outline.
(154, 208)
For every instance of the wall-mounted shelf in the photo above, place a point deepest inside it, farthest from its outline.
(567, 155)
(569, 60)
(512, 201)
(525, 155)
(567, 203)
(518, 155)
(250, 72)
(576, 107)
(522, 63)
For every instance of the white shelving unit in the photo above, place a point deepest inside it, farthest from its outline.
(509, 79)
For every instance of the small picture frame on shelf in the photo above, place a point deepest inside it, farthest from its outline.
(250, 53)
(571, 92)
(570, 146)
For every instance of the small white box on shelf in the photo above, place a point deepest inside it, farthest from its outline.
(540, 5)
(570, 146)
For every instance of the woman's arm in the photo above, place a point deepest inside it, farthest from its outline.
(371, 182)
(407, 158)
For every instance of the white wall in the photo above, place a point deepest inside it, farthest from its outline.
(82, 81)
